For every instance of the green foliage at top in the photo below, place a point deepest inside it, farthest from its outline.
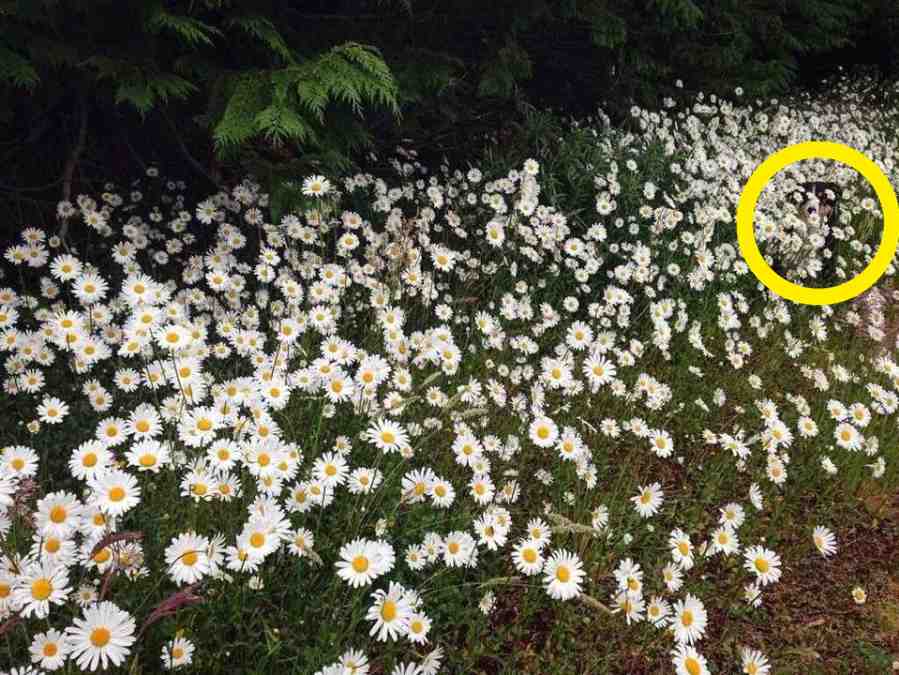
(255, 87)
(289, 103)
(280, 87)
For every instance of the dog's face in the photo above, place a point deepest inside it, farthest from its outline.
(815, 211)
(818, 203)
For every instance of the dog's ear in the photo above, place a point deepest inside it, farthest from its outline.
(800, 195)
(831, 193)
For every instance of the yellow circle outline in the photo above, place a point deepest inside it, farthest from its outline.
(746, 231)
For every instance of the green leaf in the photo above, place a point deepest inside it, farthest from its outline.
(501, 76)
(144, 90)
(169, 85)
(137, 93)
(264, 31)
(608, 30)
(192, 31)
(248, 96)
(17, 69)
(684, 14)
(279, 123)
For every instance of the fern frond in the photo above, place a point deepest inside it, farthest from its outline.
(248, 95)
(137, 93)
(683, 13)
(17, 70)
(263, 30)
(289, 104)
(144, 91)
(379, 86)
(169, 85)
(424, 72)
(350, 73)
(193, 31)
(313, 94)
(279, 123)
(502, 75)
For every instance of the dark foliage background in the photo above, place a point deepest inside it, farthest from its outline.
(94, 90)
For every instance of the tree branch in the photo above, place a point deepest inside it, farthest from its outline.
(69, 171)
(189, 158)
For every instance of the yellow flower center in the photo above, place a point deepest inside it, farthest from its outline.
(360, 564)
(687, 618)
(148, 460)
(692, 666)
(18, 464)
(563, 574)
(529, 555)
(50, 649)
(761, 565)
(257, 539)
(190, 558)
(116, 494)
(41, 589)
(58, 514)
(52, 545)
(100, 637)
(388, 610)
(204, 424)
